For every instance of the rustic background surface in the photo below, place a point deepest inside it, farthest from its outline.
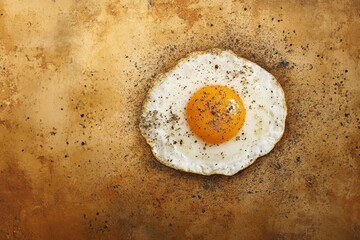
(74, 73)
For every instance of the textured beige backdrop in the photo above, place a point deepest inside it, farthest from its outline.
(73, 165)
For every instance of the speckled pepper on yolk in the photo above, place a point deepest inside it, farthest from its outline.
(215, 113)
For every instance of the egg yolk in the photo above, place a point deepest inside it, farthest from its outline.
(215, 113)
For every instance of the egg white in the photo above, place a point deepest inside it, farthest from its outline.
(163, 121)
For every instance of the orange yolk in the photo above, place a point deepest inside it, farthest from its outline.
(215, 113)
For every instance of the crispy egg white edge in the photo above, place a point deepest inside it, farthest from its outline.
(223, 169)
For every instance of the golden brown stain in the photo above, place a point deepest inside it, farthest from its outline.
(8, 90)
(40, 56)
(15, 197)
(5, 123)
(85, 13)
(183, 9)
(5, 36)
(55, 218)
(116, 9)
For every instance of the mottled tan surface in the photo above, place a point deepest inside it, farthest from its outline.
(73, 164)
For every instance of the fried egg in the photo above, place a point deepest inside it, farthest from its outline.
(213, 113)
